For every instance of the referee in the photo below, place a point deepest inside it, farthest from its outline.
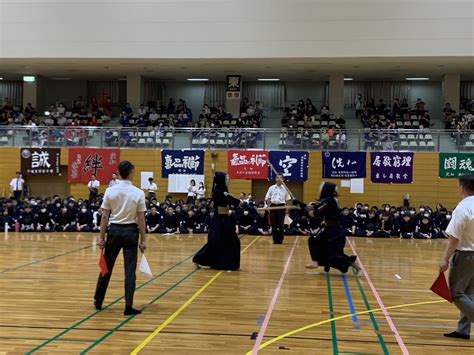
(276, 196)
(124, 207)
(460, 232)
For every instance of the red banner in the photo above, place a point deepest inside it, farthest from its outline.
(244, 164)
(85, 162)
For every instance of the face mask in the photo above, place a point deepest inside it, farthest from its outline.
(84, 210)
(58, 205)
(387, 209)
(412, 212)
(426, 215)
(33, 203)
(43, 210)
(362, 216)
(366, 208)
(448, 216)
(422, 210)
(246, 213)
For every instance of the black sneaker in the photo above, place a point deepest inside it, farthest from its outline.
(457, 335)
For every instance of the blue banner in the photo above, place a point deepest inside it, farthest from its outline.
(292, 165)
(344, 165)
(189, 162)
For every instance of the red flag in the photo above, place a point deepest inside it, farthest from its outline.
(441, 288)
(104, 270)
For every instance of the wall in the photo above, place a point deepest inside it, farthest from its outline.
(191, 92)
(234, 28)
(316, 91)
(431, 93)
(66, 91)
(9, 165)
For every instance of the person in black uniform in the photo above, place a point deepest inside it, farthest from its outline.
(222, 251)
(245, 223)
(84, 220)
(327, 246)
(6, 221)
(44, 220)
(262, 224)
(27, 220)
(124, 207)
(170, 222)
(153, 220)
(407, 226)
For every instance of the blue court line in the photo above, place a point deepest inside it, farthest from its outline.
(349, 300)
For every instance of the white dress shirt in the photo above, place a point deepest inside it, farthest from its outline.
(17, 184)
(277, 195)
(191, 191)
(201, 192)
(124, 201)
(152, 187)
(461, 225)
(93, 184)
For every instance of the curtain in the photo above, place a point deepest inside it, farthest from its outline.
(109, 88)
(13, 90)
(154, 90)
(214, 93)
(270, 94)
(467, 89)
(386, 90)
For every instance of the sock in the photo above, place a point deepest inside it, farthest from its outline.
(457, 335)
(129, 310)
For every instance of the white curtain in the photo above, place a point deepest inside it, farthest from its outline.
(270, 94)
(386, 90)
(154, 90)
(467, 89)
(214, 93)
(13, 90)
(110, 88)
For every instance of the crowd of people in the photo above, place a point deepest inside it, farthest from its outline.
(461, 123)
(194, 215)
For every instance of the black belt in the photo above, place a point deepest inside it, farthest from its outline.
(464, 251)
(277, 204)
(125, 225)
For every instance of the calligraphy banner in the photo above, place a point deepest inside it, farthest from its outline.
(85, 162)
(248, 164)
(391, 167)
(344, 165)
(455, 165)
(189, 162)
(40, 161)
(292, 165)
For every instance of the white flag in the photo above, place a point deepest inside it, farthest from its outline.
(145, 268)
(287, 220)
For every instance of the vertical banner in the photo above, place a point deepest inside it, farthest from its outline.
(391, 167)
(244, 164)
(344, 165)
(40, 161)
(189, 162)
(233, 83)
(85, 162)
(292, 165)
(455, 165)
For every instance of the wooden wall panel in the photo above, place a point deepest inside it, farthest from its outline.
(9, 165)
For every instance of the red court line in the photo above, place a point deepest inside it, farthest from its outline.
(392, 326)
(261, 333)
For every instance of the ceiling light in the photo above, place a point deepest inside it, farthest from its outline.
(29, 79)
(417, 78)
(197, 79)
(348, 79)
(1, 78)
(268, 79)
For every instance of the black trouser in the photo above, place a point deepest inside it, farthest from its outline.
(17, 194)
(118, 237)
(278, 219)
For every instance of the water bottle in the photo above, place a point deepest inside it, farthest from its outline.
(6, 227)
(17, 227)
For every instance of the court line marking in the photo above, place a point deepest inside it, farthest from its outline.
(45, 259)
(330, 320)
(184, 306)
(372, 318)
(113, 330)
(276, 293)
(331, 312)
(92, 315)
(392, 326)
(349, 300)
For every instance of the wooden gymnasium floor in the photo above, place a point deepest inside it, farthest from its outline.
(47, 283)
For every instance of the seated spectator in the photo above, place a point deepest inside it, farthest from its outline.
(127, 111)
(262, 224)
(7, 223)
(424, 230)
(348, 222)
(44, 220)
(325, 112)
(448, 111)
(245, 223)
(420, 107)
(27, 220)
(368, 226)
(386, 228)
(407, 226)
(84, 220)
(188, 225)
(142, 111)
(170, 224)
(65, 221)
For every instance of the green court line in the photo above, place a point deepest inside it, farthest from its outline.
(372, 317)
(331, 313)
(45, 259)
(92, 315)
(113, 330)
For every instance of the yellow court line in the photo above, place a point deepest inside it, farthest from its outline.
(180, 309)
(293, 332)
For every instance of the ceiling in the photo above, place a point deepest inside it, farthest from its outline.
(287, 69)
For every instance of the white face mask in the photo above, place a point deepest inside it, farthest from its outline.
(448, 216)
(246, 213)
(43, 210)
(84, 210)
(412, 212)
(422, 210)
(387, 209)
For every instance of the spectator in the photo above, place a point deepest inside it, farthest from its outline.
(93, 187)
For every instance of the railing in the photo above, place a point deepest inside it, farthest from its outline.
(233, 138)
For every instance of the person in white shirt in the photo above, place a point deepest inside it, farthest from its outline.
(201, 191)
(16, 186)
(359, 106)
(124, 207)
(152, 189)
(460, 233)
(114, 180)
(93, 186)
(191, 192)
(142, 111)
(153, 116)
(277, 196)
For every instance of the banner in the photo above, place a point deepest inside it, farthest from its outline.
(40, 161)
(189, 162)
(455, 165)
(344, 165)
(292, 165)
(391, 168)
(85, 162)
(251, 164)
